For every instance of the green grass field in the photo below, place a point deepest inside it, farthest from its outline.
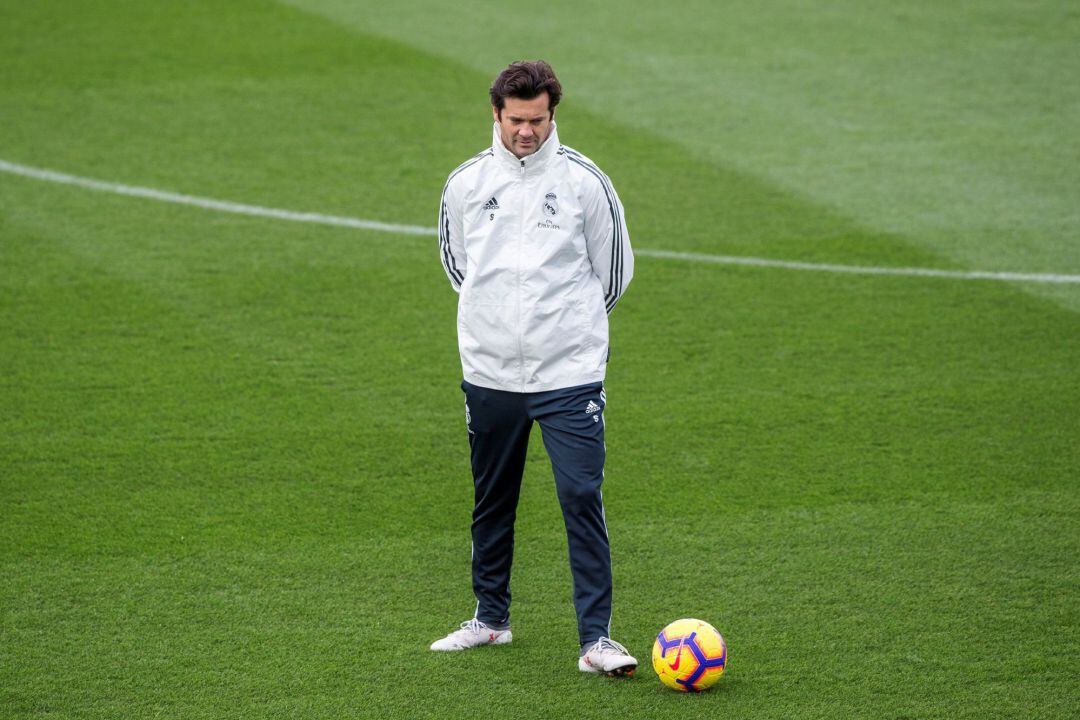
(233, 464)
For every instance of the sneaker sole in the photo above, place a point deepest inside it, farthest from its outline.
(624, 671)
(503, 639)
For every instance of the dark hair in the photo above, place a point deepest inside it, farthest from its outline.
(526, 80)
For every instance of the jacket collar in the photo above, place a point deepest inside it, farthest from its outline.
(532, 163)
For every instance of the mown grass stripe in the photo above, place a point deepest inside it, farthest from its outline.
(362, 224)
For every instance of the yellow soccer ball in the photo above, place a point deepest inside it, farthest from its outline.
(689, 655)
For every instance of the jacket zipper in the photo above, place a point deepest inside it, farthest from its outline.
(521, 242)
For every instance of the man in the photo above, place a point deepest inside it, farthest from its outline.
(532, 236)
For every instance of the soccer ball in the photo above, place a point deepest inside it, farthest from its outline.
(689, 655)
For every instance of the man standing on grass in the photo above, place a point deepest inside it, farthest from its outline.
(532, 236)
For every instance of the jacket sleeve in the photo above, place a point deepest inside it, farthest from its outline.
(606, 238)
(451, 241)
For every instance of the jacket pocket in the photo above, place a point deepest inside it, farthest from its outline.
(487, 340)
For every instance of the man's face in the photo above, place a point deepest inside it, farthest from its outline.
(524, 124)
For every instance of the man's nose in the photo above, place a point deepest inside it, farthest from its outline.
(526, 131)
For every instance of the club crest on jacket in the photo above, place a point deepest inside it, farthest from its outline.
(550, 207)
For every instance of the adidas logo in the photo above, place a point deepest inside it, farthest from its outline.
(591, 408)
(491, 204)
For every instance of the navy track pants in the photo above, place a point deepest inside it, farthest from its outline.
(572, 424)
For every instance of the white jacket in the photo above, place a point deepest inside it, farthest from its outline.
(538, 250)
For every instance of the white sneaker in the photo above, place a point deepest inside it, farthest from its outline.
(473, 633)
(608, 657)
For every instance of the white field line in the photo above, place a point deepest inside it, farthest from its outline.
(861, 269)
(358, 223)
(208, 203)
